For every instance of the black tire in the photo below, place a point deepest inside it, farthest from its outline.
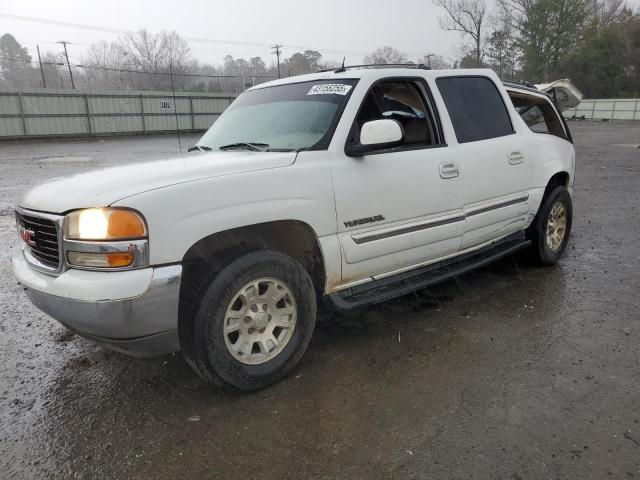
(539, 251)
(202, 339)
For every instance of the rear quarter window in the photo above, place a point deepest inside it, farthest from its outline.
(538, 114)
(475, 107)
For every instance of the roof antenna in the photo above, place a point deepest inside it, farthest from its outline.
(341, 69)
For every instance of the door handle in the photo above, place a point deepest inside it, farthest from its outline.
(449, 170)
(516, 158)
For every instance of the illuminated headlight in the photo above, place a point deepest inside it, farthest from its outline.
(106, 238)
(104, 224)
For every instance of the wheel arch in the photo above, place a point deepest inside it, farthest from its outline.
(209, 255)
(558, 179)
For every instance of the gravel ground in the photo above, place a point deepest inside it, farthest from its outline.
(509, 372)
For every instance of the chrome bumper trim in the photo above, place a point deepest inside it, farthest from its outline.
(127, 325)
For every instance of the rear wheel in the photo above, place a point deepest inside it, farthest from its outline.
(254, 322)
(551, 228)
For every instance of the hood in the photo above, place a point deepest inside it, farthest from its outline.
(100, 188)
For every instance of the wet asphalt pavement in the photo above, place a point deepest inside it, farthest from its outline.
(510, 372)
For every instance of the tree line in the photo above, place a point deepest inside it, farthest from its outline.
(163, 61)
(144, 61)
(595, 43)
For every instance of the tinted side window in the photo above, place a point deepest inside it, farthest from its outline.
(475, 107)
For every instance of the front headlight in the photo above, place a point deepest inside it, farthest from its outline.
(112, 238)
(104, 224)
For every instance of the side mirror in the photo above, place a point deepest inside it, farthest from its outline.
(377, 134)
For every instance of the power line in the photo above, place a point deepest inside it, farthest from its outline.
(33, 44)
(83, 26)
(125, 70)
(47, 21)
(5, 59)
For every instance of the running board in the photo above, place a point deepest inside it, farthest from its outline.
(403, 283)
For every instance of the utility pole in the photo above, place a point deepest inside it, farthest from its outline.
(64, 43)
(44, 83)
(276, 49)
(428, 57)
(175, 106)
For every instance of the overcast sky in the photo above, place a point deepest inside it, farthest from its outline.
(336, 28)
(354, 26)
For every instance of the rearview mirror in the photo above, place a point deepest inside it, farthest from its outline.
(377, 134)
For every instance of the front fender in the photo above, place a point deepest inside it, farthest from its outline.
(180, 215)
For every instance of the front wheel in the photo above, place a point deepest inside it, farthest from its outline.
(254, 322)
(551, 228)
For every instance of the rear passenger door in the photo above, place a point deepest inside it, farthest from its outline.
(493, 159)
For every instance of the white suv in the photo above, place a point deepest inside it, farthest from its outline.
(341, 189)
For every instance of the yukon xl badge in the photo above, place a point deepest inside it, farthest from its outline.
(362, 221)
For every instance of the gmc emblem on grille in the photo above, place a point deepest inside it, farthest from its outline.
(26, 235)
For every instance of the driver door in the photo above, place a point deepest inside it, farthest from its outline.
(400, 207)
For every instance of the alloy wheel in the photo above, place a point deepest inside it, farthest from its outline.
(260, 321)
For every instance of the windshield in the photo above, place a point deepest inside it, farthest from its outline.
(281, 118)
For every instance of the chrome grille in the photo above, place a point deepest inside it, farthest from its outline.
(41, 238)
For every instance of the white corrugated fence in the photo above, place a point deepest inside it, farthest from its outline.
(52, 113)
(606, 109)
(44, 113)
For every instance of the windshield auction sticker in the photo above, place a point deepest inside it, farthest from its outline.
(329, 89)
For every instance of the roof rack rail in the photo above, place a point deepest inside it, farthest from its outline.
(524, 85)
(344, 68)
(520, 84)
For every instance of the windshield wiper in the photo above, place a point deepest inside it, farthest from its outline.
(254, 146)
(200, 148)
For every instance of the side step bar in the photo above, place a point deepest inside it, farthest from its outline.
(403, 283)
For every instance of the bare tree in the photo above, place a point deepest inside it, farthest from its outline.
(467, 17)
(104, 59)
(108, 54)
(176, 48)
(603, 13)
(386, 55)
(140, 60)
(161, 52)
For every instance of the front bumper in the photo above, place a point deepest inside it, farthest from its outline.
(134, 312)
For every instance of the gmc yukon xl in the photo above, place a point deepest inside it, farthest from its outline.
(342, 189)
